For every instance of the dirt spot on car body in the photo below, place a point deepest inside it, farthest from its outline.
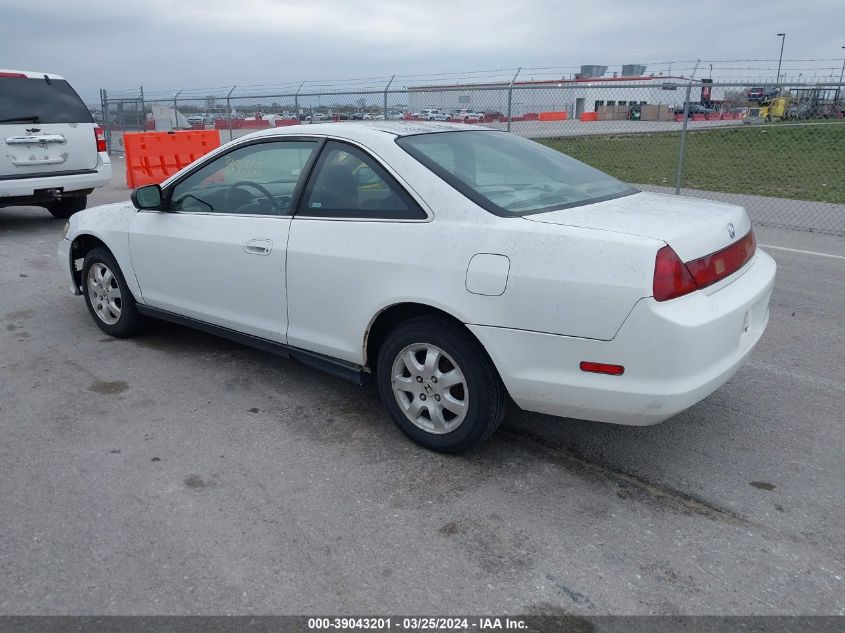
(108, 388)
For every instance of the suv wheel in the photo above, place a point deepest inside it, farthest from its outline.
(66, 207)
(439, 385)
(107, 296)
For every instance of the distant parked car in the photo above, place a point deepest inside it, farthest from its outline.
(694, 108)
(432, 114)
(762, 93)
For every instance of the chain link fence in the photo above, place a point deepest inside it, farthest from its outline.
(775, 148)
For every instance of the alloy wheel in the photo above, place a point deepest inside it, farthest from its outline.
(104, 293)
(430, 388)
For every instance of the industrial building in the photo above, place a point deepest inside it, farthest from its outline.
(590, 90)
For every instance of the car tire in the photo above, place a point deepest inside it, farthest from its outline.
(66, 207)
(451, 398)
(107, 296)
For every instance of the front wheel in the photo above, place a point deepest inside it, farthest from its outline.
(66, 207)
(439, 385)
(107, 296)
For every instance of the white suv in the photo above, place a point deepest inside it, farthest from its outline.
(52, 154)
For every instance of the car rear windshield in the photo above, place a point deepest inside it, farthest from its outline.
(509, 175)
(40, 101)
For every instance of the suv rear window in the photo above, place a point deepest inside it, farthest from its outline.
(54, 102)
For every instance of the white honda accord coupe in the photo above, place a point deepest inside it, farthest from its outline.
(457, 266)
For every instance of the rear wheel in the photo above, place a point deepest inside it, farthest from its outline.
(66, 207)
(107, 296)
(439, 385)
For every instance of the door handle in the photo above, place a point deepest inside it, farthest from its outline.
(258, 247)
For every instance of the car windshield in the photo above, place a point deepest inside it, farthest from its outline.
(40, 101)
(509, 175)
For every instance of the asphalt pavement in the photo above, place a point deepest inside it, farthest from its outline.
(177, 473)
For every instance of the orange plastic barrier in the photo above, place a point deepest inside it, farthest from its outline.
(553, 116)
(589, 116)
(153, 156)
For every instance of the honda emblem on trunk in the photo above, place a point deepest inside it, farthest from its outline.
(731, 230)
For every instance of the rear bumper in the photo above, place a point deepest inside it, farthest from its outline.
(675, 353)
(21, 188)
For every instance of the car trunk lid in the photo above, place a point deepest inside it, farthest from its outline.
(32, 149)
(693, 227)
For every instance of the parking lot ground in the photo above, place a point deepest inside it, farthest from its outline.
(179, 473)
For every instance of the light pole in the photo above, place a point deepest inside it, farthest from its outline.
(780, 59)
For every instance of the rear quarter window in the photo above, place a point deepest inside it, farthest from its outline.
(52, 101)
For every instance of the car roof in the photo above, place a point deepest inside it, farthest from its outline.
(30, 74)
(362, 130)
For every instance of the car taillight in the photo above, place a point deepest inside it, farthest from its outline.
(13, 75)
(714, 267)
(100, 135)
(673, 278)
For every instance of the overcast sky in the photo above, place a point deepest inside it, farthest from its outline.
(170, 44)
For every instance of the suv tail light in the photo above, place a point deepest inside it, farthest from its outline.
(100, 135)
(673, 278)
(13, 75)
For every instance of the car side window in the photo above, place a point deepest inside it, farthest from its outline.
(257, 179)
(348, 183)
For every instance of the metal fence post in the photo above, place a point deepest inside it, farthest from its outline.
(143, 111)
(229, 110)
(682, 151)
(296, 101)
(175, 111)
(104, 99)
(510, 97)
(386, 88)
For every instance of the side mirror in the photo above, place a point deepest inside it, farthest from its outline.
(147, 197)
